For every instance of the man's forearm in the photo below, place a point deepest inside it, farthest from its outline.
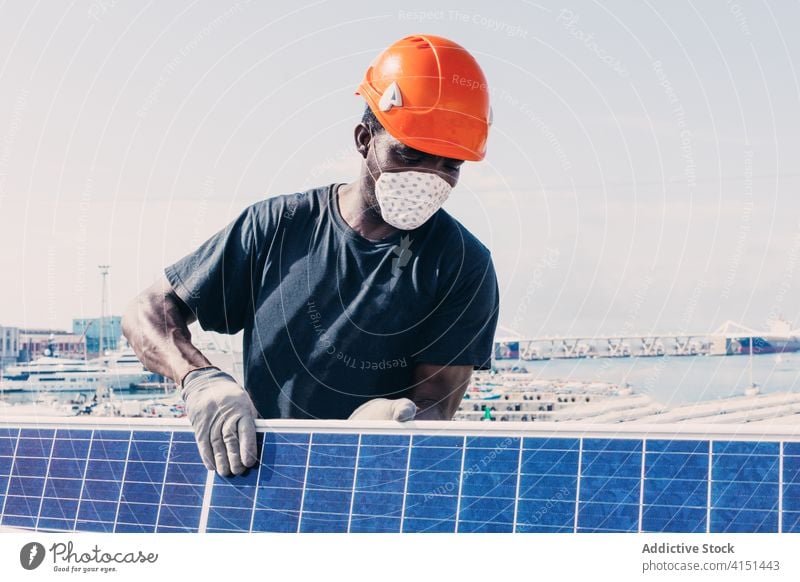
(431, 410)
(157, 330)
(438, 390)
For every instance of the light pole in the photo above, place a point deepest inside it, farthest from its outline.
(104, 274)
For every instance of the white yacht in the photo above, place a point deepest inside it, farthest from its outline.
(116, 370)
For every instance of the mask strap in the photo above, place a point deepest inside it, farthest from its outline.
(374, 155)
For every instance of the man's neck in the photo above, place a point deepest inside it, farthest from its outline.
(353, 207)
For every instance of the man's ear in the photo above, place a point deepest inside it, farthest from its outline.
(362, 137)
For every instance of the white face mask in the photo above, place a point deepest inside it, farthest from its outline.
(408, 199)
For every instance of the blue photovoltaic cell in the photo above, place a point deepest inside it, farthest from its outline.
(547, 485)
(744, 487)
(380, 484)
(610, 484)
(675, 492)
(791, 487)
(110, 480)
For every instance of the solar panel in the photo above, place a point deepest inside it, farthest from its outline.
(336, 476)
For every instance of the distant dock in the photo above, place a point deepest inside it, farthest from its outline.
(729, 339)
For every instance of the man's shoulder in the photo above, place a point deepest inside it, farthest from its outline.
(452, 233)
(271, 211)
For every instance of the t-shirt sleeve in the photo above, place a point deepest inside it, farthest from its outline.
(216, 281)
(461, 329)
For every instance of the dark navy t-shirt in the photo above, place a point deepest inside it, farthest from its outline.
(332, 319)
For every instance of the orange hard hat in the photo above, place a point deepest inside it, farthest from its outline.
(430, 94)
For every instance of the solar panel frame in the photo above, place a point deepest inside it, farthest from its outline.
(410, 477)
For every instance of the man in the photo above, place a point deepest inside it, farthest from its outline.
(362, 300)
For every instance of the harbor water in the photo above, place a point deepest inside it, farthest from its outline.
(676, 380)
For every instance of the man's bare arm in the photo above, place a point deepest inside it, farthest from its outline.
(438, 390)
(156, 326)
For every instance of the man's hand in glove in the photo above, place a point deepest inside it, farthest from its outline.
(223, 418)
(401, 409)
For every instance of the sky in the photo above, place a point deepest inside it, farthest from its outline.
(641, 173)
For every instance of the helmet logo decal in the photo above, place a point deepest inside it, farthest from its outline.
(391, 97)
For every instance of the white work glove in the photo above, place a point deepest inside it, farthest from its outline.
(401, 409)
(222, 416)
